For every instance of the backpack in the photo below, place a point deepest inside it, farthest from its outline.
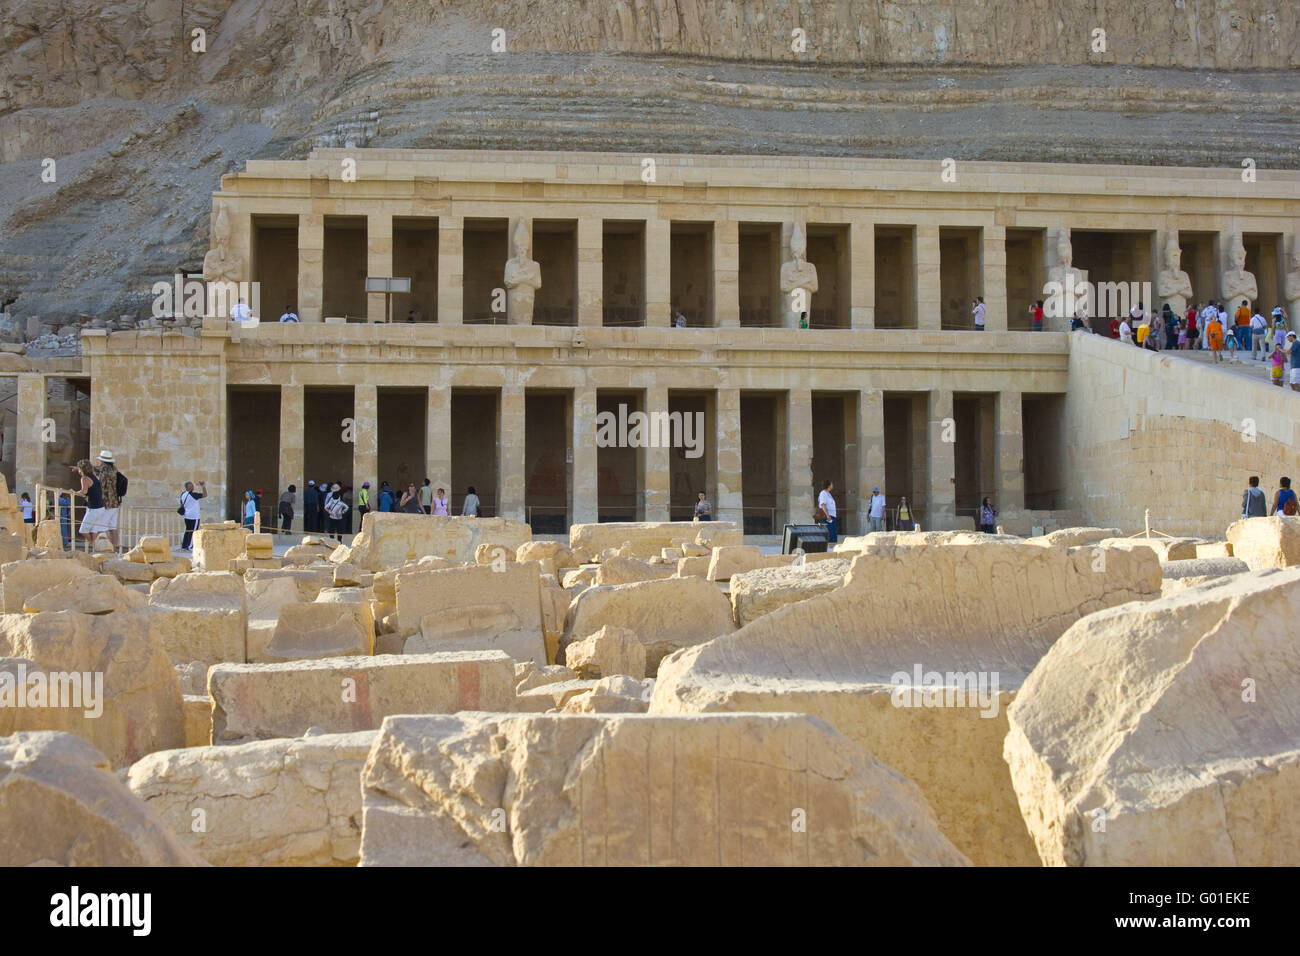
(1289, 508)
(121, 485)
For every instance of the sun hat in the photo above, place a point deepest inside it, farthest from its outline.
(334, 487)
(875, 490)
(106, 455)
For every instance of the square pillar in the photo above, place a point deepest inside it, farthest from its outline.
(658, 273)
(656, 462)
(800, 492)
(365, 436)
(591, 272)
(925, 267)
(871, 451)
(293, 446)
(1010, 487)
(726, 274)
(510, 441)
(728, 498)
(311, 266)
(862, 277)
(451, 275)
(437, 439)
(584, 456)
(379, 260)
(993, 262)
(29, 449)
(941, 437)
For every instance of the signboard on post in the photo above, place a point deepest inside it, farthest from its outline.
(387, 286)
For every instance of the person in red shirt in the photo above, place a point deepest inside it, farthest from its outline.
(1114, 328)
(1038, 316)
(1191, 338)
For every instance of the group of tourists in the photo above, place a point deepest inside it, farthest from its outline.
(826, 514)
(1255, 504)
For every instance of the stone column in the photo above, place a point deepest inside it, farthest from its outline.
(1010, 454)
(941, 493)
(726, 274)
(379, 260)
(29, 452)
(728, 500)
(657, 460)
(925, 269)
(862, 276)
(437, 438)
(591, 272)
(800, 490)
(311, 267)
(451, 274)
(871, 451)
(658, 273)
(365, 437)
(293, 446)
(511, 444)
(994, 264)
(584, 456)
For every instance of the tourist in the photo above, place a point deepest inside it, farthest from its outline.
(1278, 370)
(978, 311)
(1189, 329)
(1259, 338)
(289, 315)
(1231, 341)
(1293, 347)
(335, 509)
(410, 317)
(1209, 313)
(1241, 319)
(1170, 323)
(1278, 326)
(1154, 332)
(189, 505)
(679, 320)
(1214, 334)
(803, 320)
(1081, 316)
(988, 514)
(28, 509)
(311, 508)
(1253, 502)
(1114, 328)
(113, 483)
(876, 510)
(426, 497)
(92, 523)
(703, 510)
(250, 511)
(903, 519)
(287, 501)
(363, 500)
(826, 502)
(410, 501)
(385, 497)
(1038, 316)
(1284, 502)
(472, 508)
(65, 518)
(240, 312)
(1125, 331)
(440, 503)
(1181, 344)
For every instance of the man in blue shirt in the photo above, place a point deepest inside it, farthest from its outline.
(1293, 347)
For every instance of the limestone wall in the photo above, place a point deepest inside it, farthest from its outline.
(1153, 430)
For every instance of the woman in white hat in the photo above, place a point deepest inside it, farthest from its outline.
(93, 522)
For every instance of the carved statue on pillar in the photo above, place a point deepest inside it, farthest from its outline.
(1236, 283)
(523, 277)
(1072, 282)
(1173, 286)
(798, 273)
(1292, 286)
(222, 264)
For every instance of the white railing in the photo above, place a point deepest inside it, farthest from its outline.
(133, 523)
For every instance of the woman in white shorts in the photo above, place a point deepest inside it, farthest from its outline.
(95, 522)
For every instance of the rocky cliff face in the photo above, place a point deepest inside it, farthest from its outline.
(141, 123)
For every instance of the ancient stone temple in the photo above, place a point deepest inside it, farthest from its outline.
(542, 293)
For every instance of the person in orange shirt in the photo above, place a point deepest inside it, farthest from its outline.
(1214, 335)
(1241, 319)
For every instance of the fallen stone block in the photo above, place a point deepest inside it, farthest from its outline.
(536, 676)
(1214, 549)
(620, 570)
(693, 567)
(61, 805)
(647, 538)
(20, 580)
(551, 696)
(259, 545)
(156, 549)
(265, 598)
(97, 594)
(289, 802)
(1203, 567)
(320, 630)
(1166, 549)
(202, 616)
(127, 571)
(727, 562)
(475, 607)
(612, 695)
(343, 694)
(388, 539)
(1075, 537)
(310, 580)
(198, 719)
(1266, 542)
(609, 651)
(495, 554)
(921, 683)
(117, 687)
(666, 615)
(598, 790)
(1172, 723)
(755, 593)
(216, 547)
